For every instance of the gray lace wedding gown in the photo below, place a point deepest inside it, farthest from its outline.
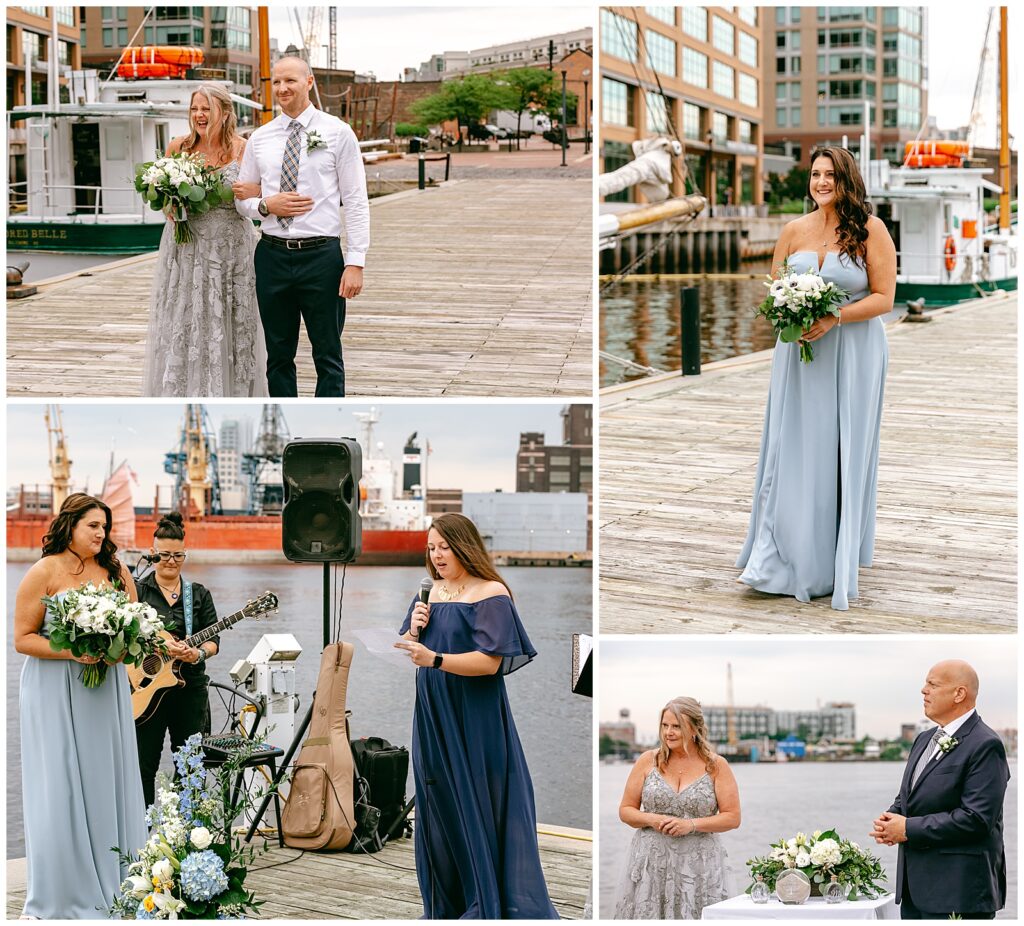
(673, 877)
(205, 338)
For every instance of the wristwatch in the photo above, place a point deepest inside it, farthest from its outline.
(263, 209)
(202, 656)
(438, 659)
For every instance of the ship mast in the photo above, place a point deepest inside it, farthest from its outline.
(60, 463)
(1004, 129)
(264, 115)
(194, 466)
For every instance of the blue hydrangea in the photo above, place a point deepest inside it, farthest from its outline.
(202, 875)
(141, 913)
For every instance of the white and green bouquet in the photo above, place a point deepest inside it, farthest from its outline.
(795, 301)
(819, 856)
(104, 623)
(191, 868)
(181, 185)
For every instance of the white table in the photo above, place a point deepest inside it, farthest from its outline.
(743, 908)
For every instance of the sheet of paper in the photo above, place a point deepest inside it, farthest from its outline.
(380, 642)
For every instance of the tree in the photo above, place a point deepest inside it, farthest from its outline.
(523, 89)
(467, 100)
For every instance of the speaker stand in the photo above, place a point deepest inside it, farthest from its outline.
(327, 605)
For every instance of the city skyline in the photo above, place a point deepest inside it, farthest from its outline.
(473, 446)
(881, 677)
(427, 30)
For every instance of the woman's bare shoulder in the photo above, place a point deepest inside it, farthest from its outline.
(175, 145)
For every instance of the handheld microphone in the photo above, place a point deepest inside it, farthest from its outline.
(425, 588)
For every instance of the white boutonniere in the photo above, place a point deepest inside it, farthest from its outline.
(314, 141)
(948, 743)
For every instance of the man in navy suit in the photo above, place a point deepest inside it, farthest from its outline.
(948, 817)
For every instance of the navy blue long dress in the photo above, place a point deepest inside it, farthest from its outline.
(476, 823)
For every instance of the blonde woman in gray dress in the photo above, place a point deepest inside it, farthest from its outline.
(678, 797)
(205, 338)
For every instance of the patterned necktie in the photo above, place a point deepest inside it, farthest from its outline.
(290, 168)
(926, 756)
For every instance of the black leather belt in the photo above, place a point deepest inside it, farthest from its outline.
(298, 244)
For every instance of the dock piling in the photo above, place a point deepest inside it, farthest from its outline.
(689, 330)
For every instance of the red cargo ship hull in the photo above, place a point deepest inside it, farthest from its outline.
(239, 534)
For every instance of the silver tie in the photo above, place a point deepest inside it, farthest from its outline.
(290, 167)
(926, 756)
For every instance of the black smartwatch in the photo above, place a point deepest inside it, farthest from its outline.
(438, 659)
(263, 209)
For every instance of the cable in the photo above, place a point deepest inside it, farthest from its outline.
(340, 600)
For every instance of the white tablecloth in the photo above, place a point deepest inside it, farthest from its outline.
(743, 908)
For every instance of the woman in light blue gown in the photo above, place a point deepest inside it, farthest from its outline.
(813, 518)
(81, 786)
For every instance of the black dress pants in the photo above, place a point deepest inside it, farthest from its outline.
(910, 911)
(181, 712)
(301, 284)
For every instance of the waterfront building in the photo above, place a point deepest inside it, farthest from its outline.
(528, 522)
(442, 501)
(372, 107)
(691, 73)
(835, 721)
(749, 722)
(622, 730)
(228, 36)
(30, 51)
(234, 440)
(824, 64)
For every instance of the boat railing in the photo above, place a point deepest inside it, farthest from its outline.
(932, 268)
(18, 199)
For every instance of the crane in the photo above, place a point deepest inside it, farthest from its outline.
(194, 466)
(311, 34)
(982, 86)
(730, 709)
(262, 464)
(60, 462)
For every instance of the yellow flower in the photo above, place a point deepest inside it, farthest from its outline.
(148, 903)
(156, 882)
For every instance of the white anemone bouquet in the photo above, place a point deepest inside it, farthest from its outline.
(106, 624)
(795, 301)
(819, 856)
(191, 867)
(181, 185)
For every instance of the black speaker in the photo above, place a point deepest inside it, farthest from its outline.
(320, 521)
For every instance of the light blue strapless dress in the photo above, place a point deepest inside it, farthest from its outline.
(813, 518)
(81, 787)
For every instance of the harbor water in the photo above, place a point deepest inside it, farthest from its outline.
(640, 321)
(781, 799)
(553, 723)
(44, 265)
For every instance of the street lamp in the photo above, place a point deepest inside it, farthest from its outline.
(586, 114)
(565, 119)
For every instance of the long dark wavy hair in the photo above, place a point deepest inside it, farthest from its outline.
(852, 207)
(58, 538)
(467, 547)
(687, 713)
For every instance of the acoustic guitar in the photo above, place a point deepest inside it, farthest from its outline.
(156, 673)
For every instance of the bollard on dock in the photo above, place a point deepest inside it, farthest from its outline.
(689, 330)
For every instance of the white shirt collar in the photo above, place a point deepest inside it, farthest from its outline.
(955, 725)
(303, 118)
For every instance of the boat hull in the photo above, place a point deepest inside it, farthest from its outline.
(84, 238)
(238, 539)
(936, 295)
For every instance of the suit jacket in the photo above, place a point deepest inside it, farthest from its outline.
(953, 859)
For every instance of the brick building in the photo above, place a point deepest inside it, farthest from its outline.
(374, 108)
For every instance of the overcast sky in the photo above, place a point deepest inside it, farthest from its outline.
(881, 676)
(473, 446)
(388, 39)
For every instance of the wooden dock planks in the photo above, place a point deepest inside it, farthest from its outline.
(380, 886)
(678, 459)
(477, 287)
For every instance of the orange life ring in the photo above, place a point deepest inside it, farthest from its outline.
(950, 252)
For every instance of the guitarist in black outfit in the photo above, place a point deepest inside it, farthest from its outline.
(181, 711)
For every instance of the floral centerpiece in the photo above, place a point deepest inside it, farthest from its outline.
(191, 868)
(795, 301)
(819, 856)
(105, 623)
(181, 185)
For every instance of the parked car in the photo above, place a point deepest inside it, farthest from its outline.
(497, 131)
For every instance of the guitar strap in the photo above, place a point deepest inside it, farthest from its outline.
(186, 603)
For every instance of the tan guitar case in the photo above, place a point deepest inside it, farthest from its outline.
(319, 813)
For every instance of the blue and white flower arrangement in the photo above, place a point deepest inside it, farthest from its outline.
(191, 868)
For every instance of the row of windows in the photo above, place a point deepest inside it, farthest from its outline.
(65, 14)
(903, 17)
(839, 14)
(157, 35)
(847, 38)
(846, 64)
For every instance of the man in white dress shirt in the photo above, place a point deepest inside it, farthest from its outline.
(948, 816)
(307, 163)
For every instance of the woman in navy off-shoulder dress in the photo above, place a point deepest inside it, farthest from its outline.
(476, 823)
(812, 523)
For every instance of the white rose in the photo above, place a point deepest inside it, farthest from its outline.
(201, 837)
(802, 859)
(854, 845)
(790, 863)
(806, 282)
(163, 870)
(826, 852)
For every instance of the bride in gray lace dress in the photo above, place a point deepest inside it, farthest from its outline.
(205, 337)
(678, 798)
